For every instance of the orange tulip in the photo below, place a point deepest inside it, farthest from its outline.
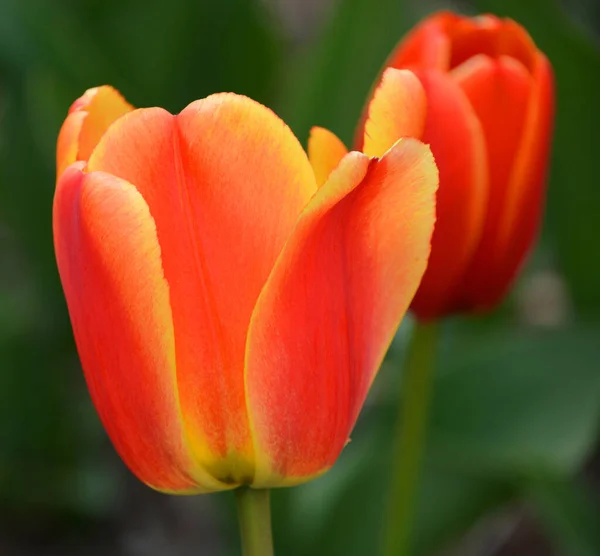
(230, 315)
(489, 106)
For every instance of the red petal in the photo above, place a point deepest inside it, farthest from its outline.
(492, 37)
(331, 306)
(510, 232)
(110, 266)
(427, 46)
(456, 139)
(225, 182)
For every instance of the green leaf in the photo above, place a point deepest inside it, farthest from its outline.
(530, 400)
(568, 514)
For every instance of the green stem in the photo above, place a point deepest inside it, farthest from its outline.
(254, 514)
(410, 439)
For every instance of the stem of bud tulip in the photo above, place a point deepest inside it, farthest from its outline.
(410, 439)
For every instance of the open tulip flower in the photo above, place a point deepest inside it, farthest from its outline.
(490, 97)
(230, 312)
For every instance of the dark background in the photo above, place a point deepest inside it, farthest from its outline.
(510, 465)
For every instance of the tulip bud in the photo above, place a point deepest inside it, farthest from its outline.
(490, 104)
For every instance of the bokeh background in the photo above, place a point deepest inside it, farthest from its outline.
(512, 466)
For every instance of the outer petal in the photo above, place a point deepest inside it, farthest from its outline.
(427, 46)
(506, 243)
(325, 150)
(456, 138)
(88, 119)
(110, 266)
(398, 109)
(498, 90)
(331, 306)
(225, 181)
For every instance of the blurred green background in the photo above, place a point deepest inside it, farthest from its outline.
(512, 465)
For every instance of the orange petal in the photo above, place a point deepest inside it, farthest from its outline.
(330, 308)
(456, 138)
(110, 266)
(398, 109)
(67, 144)
(89, 117)
(506, 243)
(225, 181)
(325, 150)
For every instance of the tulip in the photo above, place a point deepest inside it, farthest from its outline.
(230, 314)
(490, 97)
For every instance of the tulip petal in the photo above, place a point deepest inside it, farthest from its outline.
(89, 117)
(506, 244)
(325, 150)
(462, 200)
(499, 91)
(490, 36)
(525, 195)
(67, 145)
(225, 181)
(331, 306)
(398, 109)
(110, 266)
(427, 46)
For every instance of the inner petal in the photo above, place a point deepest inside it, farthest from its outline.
(492, 37)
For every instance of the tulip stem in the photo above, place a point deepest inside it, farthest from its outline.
(410, 439)
(254, 514)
